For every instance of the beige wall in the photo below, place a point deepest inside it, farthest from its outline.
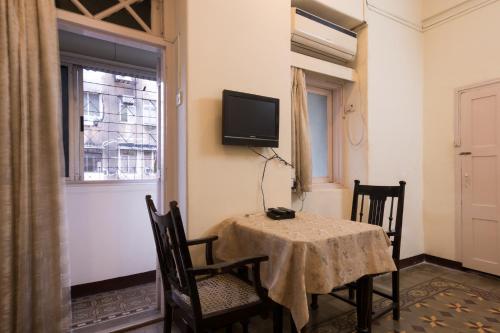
(243, 46)
(395, 94)
(459, 52)
(389, 92)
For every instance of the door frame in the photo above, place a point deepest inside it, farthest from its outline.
(458, 161)
(169, 71)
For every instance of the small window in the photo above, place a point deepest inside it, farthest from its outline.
(92, 106)
(149, 163)
(127, 109)
(92, 161)
(324, 103)
(149, 114)
(128, 163)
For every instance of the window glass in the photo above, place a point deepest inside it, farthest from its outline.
(317, 105)
(118, 143)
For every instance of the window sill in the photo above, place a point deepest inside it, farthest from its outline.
(123, 182)
(324, 187)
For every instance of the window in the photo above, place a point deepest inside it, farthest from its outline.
(92, 106)
(92, 160)
(149, 114)
(106, 139)
(128, 161)
(149, 162)
(324, 106)
(127, 109)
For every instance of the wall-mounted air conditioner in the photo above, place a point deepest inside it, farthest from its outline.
(314, 34)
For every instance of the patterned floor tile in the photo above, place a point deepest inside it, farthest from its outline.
(99, 308)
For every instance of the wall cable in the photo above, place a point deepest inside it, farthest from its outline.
(275, 156)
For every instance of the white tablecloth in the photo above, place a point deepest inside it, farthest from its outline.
(308, 254)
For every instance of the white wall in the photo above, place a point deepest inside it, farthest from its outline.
(243, 46)
(395, 94)
(109, 232)
(459, 52)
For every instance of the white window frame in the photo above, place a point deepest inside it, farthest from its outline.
(76, 120)
(334, 95)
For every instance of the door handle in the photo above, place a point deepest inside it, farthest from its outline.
(465, 153)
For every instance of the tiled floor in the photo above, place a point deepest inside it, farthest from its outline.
(434, 299)
(105, 307)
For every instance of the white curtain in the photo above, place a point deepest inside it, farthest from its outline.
(33, 289)
(301, 139)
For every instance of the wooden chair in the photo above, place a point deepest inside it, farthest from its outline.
(208, 297)
(378, 196)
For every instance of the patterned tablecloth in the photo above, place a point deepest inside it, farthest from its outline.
(309, 254)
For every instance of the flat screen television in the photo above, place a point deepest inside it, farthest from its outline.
(249, 120)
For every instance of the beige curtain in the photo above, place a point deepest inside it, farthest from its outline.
(301, 139)
(33, 297)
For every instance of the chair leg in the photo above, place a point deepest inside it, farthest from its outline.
(314, 301)
(277, 318)
(352, 293)
(244, 326)
(395, 295)
(167, 321)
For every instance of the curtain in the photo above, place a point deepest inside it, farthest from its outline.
(33, 284)
(301, 140)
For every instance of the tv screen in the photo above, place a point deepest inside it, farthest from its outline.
(249, 120)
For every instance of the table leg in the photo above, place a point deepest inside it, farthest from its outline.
(364, 304)
(277, 318)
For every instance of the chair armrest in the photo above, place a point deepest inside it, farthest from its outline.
(208, 241)
(204, 240)
(226, 266)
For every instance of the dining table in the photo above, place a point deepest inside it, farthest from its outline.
(309, 254)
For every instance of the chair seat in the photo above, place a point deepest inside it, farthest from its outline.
(220, 293)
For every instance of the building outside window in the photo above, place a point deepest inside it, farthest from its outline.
(112, 142)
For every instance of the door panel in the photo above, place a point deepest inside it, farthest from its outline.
(480, 172)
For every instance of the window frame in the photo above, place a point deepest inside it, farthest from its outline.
(73, 158)
(76, 121)
(334, 93)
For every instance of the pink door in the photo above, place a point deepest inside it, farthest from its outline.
(480, 178)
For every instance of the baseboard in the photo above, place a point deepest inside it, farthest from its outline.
(407, 262)
(444, 262)
(121, 282)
